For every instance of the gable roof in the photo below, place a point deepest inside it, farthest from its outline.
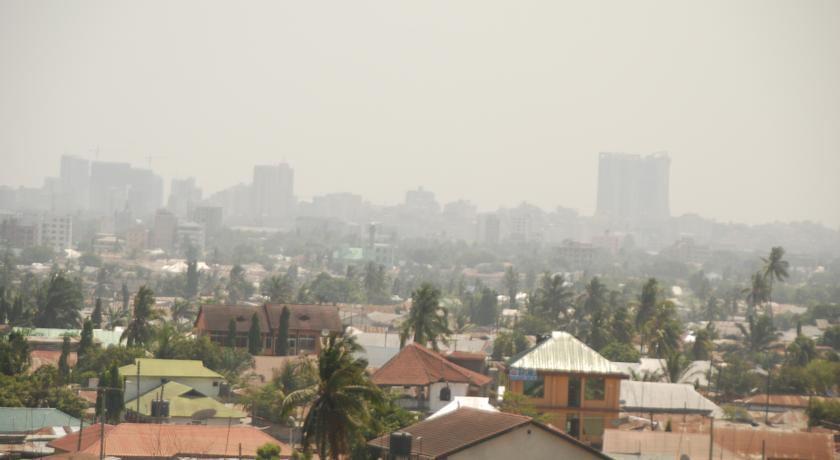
(665, 397)
(184, 401)
(27, 419)
(464, 428)
(417, 365)
(168, 368)
(217, 317)
(301, 317)
(564, 353)
(306, 317)
(169, 440)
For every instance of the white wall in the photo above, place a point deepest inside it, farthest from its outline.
(458, 389)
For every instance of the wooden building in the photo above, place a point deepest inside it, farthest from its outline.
(577, 387)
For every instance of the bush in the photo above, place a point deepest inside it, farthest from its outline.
(268, 451)
(820, 411)
(621, 352)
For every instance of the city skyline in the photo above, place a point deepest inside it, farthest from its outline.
(748, 114)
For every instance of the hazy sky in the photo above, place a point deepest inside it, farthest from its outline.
(496, 102)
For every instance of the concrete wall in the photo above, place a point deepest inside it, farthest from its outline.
(528, 441)
(458, 389)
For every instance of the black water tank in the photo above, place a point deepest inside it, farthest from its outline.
(400, 443)
(160, 408)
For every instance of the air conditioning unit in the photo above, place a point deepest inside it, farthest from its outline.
(160, 408)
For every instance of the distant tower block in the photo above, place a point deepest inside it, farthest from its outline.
(633, 189)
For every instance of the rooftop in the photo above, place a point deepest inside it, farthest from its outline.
(564, 353)
(664, 397)
(168, 368)
(184, 401)
(169, 440)
(27, 419)
(417, 365)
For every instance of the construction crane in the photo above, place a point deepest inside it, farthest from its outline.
(149, 159)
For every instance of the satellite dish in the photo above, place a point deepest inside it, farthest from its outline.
(203, 414)
(325, 332)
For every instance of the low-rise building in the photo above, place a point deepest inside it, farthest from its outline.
(476, 434)
(174, 402)
(147, 374)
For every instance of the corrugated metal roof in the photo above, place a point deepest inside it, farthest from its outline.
(184, 401)
(564, 353)
(664, 397)
(168, 368)
(27, 419)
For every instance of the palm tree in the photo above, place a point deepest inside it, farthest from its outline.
(757, 293)
(62, 302)
(139, 331)
(183, 309)
(115, 316)
(278, 288)
(340, 402)
(663, 330)
(552, 299)
(427, 321)
(775, 268)
(759, 333)
(678, 368)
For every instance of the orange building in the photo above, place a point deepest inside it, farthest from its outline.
(573, 384)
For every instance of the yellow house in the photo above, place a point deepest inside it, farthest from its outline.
(570, 382)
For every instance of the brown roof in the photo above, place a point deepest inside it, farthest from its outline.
(306, 317)
(464, 428)
(301, 318)
(417, 365)
(466, 355)
(217, 317)
(167, 441)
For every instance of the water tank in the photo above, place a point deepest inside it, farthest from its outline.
(160, 408)
(400, 443)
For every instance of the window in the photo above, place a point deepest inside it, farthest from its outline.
(594, 390)
(534, 388)
(574, 392)
(445, 394)
(306, 343)
(573, 425)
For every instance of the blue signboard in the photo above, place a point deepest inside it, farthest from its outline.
(518, 373)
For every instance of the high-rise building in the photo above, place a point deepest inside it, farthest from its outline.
(164, 232)
(210, 217)
(74, 185)
(56, 232)
(632, 189)
(273, 197)
(183, 196)
(117, 186)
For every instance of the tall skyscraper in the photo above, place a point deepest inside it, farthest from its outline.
(118, 186)
(184, 195)
(74, 184)
(632, 189)
(273, 194)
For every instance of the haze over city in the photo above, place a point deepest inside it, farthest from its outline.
(480, 101)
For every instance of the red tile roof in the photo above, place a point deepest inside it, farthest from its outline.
(466, 427)
(306, 317)
(416, 365)
(166, 441)
(301, 317)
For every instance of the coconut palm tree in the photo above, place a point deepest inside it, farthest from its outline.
(775, 268)
(115, 316)
(340, 402)
(759, 333)
(757, 293)
(427, 321)
(552, 300)
(139, 331)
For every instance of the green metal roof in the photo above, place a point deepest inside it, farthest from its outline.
(26, 419)
(168, 368)
(184, 401)
(564, 353)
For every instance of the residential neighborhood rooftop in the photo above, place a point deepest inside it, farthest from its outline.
(417, 365)
(563, 352)
(150, 367)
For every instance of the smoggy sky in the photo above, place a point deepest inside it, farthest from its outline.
(497, 102)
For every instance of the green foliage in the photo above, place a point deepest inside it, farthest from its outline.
(60, 305)
(735, 413)
(759, 333)
(90, 259)
(703, 344)
(486, 311)
(508, 344)
(278, 288)
(831, 337)
(341, 403)
(254, 336)
(515, 403)
(238, 287)
(36, 254)
(40, 389)
(191, 288)
(427, 321)
(230, 339)
(822, 411)
(14, 354)
(511, 284)
(96, 316)
(801, 351)
(97, 360)
(648, 301)
(138, 332)
(376, 284)
(621, 352)
(663, 330)
(551, 301)
(63, 364)
(283, 333)
(268, 451)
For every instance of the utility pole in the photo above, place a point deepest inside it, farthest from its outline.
(767, 403)
(137, 396)
(712, 439)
